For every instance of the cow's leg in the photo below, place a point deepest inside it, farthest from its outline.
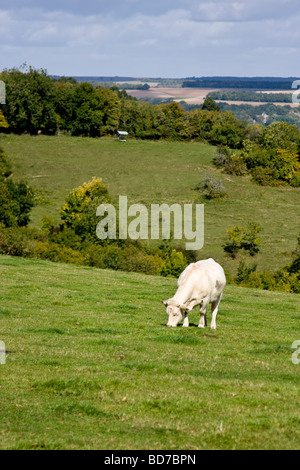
(202, 311)
(214, 311)
(186, 319)
(202, 320)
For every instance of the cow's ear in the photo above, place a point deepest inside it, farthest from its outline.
(165, 302)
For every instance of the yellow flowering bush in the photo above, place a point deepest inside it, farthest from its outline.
(79, 211)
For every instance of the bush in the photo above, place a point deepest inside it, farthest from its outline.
(274, 157)
(234, 242)
(282, 280)
(16, 199)
(248, 277)
(231, 162)
(128, 258)
(240, 238)
(251, 241)
(79, 211)
(235, 165)
(15, 241)
(174, 265)
(57, 253)
(5, 165)
(211, 188)
(221, 156)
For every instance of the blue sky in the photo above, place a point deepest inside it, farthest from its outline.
(142, 38)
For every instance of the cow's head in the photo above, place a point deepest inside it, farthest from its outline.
(175, 311)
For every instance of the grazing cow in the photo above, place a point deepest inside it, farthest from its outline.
(200, 283)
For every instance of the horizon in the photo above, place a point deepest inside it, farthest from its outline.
(123, 78)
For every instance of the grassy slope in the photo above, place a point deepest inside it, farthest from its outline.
(151, 172)
(156, 172)
(92, 365)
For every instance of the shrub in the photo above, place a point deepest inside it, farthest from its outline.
(16, 199)
(79, 211)
(211, 188)
(240, 238)
(235, 165)
(15, 241)
(128, 258)
(234, 241)
(274, 157)
(57, 253)
(248, 277)
(282, 280)
(174, 265)
(251, 241)
(23, 201)
(5, 165)
(231, 162)
(221, 156)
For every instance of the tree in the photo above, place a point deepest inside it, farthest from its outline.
(16, 198)
(111, 110)
(210, 105)
(79, 211)
(87, 111)
(29, 100)
(240, 238)
(280, 135)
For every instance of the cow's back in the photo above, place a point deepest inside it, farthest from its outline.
(206, 278)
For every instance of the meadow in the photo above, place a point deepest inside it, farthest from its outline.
(91, 365)
(158, 172)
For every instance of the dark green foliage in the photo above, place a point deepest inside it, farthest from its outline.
(271, 156)
(79, 211)
(210, 104)
(250, 95)
(259, 83)
(38, 103)
(30, 100)
(240, 238)
(5, 165)
(282, 280)
(295, 265)
(16, 198)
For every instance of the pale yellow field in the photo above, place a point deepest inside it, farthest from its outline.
(190, 95)
(197, 95)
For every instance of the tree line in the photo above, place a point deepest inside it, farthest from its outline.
(250, 95)
(38, 103)
(263, 83)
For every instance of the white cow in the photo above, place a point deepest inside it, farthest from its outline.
(200, 283)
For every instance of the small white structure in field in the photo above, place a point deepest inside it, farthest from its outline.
(122, 135)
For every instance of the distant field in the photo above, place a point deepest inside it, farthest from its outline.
(197, 96)
(157, 172)
(257, 103)
(190, 95)
(91, 365)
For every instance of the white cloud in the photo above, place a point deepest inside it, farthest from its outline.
(173, 38)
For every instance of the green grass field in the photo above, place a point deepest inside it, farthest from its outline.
(157, 172)
(91, 365)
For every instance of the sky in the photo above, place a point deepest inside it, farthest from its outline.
(158, 38)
